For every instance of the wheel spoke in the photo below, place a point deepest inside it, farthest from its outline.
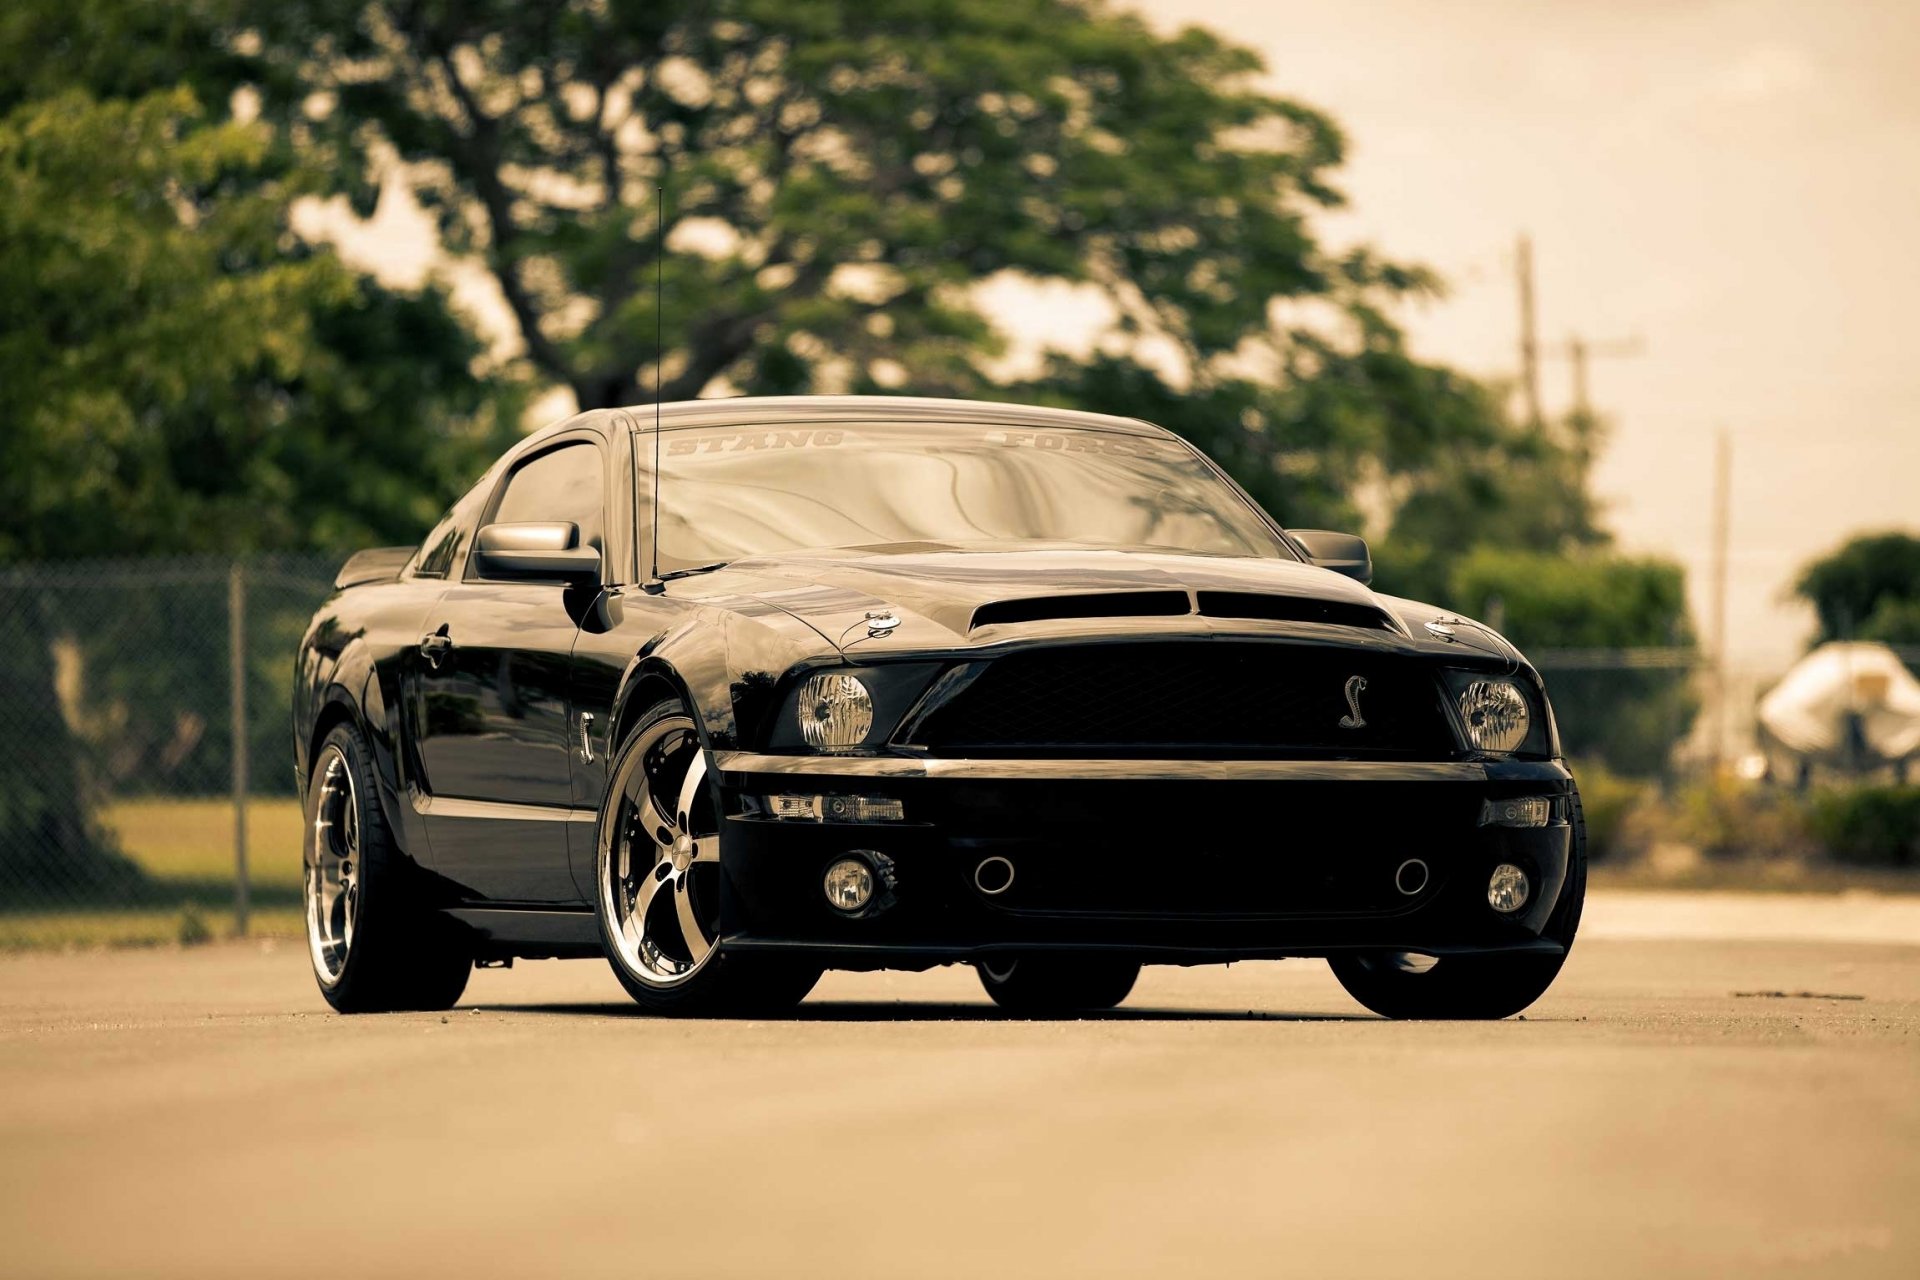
(690, 930)
(650, 882)
(689, 792)
(707, 850)
(654, 820)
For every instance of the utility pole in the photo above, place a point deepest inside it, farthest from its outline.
(1722, 494)
(237, 710)
(1577, 351)
(1529, 347)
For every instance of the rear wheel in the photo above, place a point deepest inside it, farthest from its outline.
(657, 883)
(1057, 984)
(374, 947)
(1398, 984)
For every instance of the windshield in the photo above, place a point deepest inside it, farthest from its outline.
(732, 492)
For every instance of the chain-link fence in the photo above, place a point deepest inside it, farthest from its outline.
(126, 687)
(144, 734)
(1632, 710)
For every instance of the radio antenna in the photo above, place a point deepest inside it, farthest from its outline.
(659, 351)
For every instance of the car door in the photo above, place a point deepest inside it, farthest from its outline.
(493, 731)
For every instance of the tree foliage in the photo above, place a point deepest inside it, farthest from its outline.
(181, 372)
(1552, 600)
(184, 372)
(838, 175)
(1867, 589)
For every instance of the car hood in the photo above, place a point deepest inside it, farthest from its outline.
(935, 590)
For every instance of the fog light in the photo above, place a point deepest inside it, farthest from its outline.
(1520, 811)
(1507, 889)
(849, 885)
(796, 808)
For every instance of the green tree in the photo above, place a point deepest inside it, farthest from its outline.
(1490, 482)
(182, 374)
(838, 175)
(1867, 589)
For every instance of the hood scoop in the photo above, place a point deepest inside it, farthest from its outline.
(1101, 604)
(1179, 604)
(1250, 604)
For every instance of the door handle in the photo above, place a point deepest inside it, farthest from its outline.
(434, 647)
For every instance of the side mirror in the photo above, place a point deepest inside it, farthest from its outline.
(1340, 552)
(535, 551)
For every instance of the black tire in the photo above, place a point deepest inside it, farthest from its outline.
(1474, 987)
(719, 984)
(397, 953)
(1051, 985)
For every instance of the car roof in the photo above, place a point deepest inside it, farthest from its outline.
(775, 410)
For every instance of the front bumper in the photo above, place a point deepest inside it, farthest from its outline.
(1180, 861)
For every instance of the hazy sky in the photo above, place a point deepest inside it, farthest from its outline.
(1736, 183)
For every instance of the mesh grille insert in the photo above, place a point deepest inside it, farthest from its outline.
(1185, 697)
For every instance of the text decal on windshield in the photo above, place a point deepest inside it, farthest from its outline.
(740, 441)
(1074, 442)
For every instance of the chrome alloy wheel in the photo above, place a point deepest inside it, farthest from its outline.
(658, 875)
(333, 867)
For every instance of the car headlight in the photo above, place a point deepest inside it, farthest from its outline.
(1495, 714)
(835, 710)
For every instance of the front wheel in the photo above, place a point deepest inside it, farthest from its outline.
(1398, 984)
(1049, 985)
(374, 947)
(657, 883)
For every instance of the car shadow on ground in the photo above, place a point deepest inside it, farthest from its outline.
(940, 1011)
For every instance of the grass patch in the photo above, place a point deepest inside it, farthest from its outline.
(137, 927)
(186, 849)
(191, 841)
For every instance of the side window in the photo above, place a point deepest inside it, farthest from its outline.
(441, 550)
(568, 483)
(437, 552)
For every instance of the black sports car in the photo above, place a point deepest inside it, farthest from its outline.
(780, 685)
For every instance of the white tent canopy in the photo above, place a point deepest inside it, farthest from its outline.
(1808, 713)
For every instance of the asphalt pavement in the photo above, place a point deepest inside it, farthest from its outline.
(1714, 1087)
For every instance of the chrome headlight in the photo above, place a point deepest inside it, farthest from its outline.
(835, 710)
(1495, 714)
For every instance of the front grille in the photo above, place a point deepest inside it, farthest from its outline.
(1184, 698)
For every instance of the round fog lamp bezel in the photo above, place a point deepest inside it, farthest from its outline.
(851, 865)
(1514, 895)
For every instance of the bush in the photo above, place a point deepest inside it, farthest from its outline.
(1609, 802)
(194, 930)
(1868, 826)
(1727, 818)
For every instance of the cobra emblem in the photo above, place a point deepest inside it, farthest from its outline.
(1355, 686)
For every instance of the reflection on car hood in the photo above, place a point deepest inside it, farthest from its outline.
(934, 589)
